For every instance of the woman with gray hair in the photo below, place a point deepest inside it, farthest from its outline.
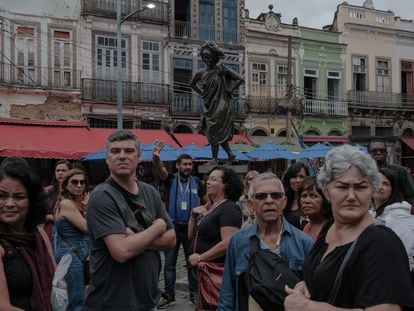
(376, 274)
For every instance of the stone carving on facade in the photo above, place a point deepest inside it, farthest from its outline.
(368, 4)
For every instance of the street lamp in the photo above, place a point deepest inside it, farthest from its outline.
(119, 22)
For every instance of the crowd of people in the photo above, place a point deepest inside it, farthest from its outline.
(345, 233)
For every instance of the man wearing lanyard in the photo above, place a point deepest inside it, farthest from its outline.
(183, 192)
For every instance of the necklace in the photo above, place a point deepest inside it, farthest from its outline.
(213, 207)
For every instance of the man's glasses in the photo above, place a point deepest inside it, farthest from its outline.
(376, 150)
(264, 195)
(75, 182)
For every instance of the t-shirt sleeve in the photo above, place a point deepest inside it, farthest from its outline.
(103, 216)
(230, 215)
(380, 270)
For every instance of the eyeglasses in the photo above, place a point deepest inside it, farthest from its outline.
(376, 150)
(213, 178)
(75, 182)
(264, 195)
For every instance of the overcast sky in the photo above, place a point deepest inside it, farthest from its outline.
(318, 13)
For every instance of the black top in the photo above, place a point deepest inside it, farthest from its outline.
(227, 214)
(377, 271)
(18, 276)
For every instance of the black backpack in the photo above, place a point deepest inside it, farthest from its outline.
(264, 279)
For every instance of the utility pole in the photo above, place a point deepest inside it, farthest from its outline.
(289, 94)
(119, 21)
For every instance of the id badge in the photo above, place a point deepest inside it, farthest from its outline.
(183, 206)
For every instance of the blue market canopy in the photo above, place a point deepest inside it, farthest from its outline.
(168, 153)
(269, 151)
(197, 152)
(361, 148)
(316, 151)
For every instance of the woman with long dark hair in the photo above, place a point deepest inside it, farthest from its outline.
(292, 180)
(61, 167)
(314, 205)
(394, 212)
(26, 261)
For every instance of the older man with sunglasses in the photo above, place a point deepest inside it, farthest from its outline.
(267, 199)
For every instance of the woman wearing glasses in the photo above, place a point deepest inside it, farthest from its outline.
(212, 225)
(71, 233)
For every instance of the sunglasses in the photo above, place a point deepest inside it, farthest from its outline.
(75, 182)
(376, 150)
(263, 195)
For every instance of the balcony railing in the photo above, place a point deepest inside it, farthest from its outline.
(107, 8)
(206, 33)
(39, 77)
(273, 105)
(188, 104)
(182, 29)
(379, 99)
(325, 107)
(230, 36)
(133, 92)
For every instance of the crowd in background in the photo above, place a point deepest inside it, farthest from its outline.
(214, 221)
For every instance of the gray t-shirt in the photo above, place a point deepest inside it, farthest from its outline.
(132, 285)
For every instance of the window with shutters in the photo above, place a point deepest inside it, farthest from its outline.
(62, 59)
(383, 74)
(259, 79)
(26, 55)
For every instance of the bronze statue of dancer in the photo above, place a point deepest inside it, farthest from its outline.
(216, 84)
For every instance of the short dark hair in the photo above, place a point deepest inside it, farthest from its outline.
(376, 140)
(122, 135)
(183, 156)
(310, 183)
(233, 185)
(36, 195)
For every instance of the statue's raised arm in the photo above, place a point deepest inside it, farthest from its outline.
(216, 84)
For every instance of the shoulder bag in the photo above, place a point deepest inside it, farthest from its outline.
(264, 279)
(83, 259)
(209, 275)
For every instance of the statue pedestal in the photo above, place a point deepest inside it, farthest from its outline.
(239, 169)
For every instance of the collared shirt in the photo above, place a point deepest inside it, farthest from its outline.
(294, 246)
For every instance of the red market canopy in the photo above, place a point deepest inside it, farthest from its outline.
(60, 139)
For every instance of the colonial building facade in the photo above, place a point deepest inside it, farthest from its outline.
(379, 73)
(39, 68)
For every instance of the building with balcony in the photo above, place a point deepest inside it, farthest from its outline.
(192, 23)
(379, 80)
(39, 71)
(321, 79)
(146, 89)
(272, 102)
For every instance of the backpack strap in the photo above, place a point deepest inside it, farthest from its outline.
(136, 210)
(338, 279)
(254, 244)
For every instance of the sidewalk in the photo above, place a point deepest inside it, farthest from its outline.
(181, 284)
